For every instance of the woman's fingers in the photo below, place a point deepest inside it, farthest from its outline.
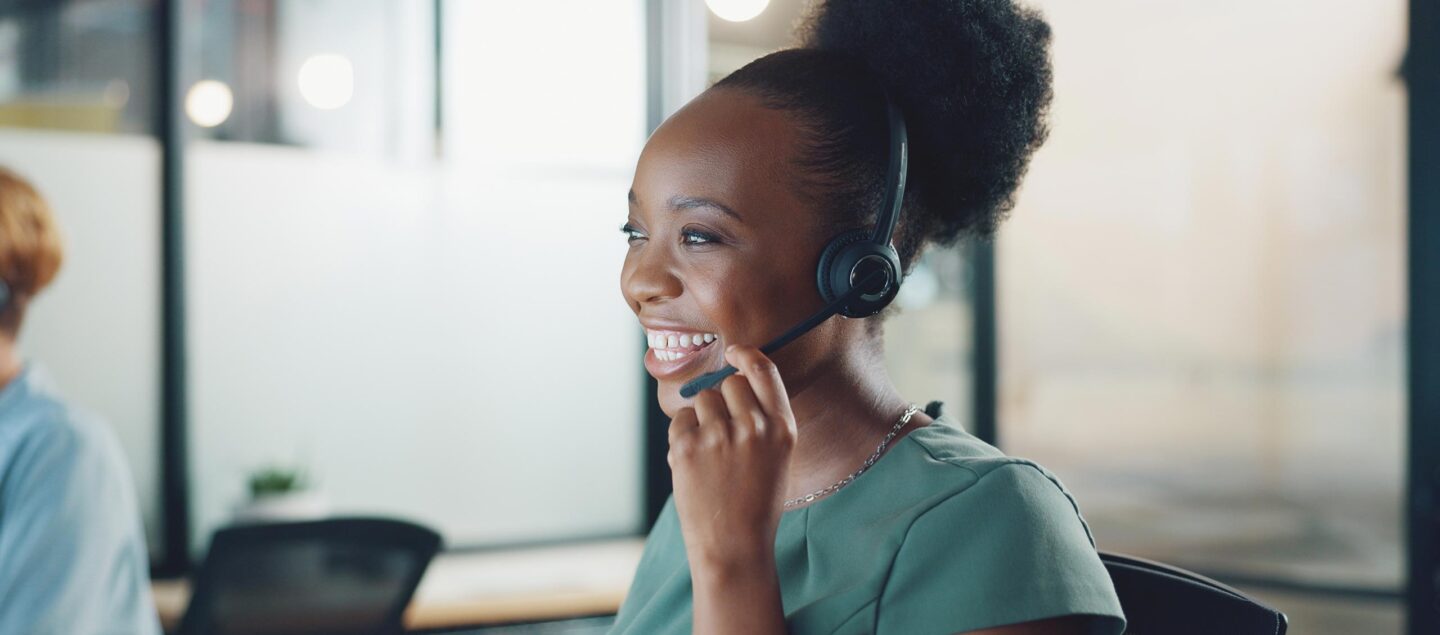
(684, 423)
(764, 380)
(710, 407)
(714, 418)
(748, 417)
(749, 404)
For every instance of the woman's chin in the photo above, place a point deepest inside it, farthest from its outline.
(667, 394)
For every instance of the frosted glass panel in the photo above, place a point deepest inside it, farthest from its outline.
(97, 329)
(1201, 294)
(443, 340)
(440, 344)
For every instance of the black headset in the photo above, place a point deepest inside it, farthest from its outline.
(859, 272)
(4, 295)
(852, 258)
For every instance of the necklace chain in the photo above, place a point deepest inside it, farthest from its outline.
(837, 485)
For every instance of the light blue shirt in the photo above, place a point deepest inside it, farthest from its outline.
(72, 550)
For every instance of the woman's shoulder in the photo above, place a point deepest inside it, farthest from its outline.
(51, 444)
(941, 463)
(990, 539)
(945, 442)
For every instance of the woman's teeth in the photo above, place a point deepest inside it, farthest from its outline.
(669, 347)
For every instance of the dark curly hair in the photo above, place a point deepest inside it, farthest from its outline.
(972, 78)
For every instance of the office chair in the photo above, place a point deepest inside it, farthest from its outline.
(1159, 599)
(342, 576)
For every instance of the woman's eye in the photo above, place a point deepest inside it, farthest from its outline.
(693, 237)
(631, 234)
(687, 236)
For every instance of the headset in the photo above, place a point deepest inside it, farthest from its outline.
(859, 272)
(4, 295)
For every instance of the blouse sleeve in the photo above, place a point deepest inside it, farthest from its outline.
(72, 549)
(1009, 549)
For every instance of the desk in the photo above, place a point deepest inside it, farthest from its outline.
(490, 587)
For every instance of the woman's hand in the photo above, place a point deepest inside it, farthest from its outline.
(729, 457)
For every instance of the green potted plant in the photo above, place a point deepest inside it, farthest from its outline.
(280, 493)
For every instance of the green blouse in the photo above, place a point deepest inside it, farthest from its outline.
(944, 534)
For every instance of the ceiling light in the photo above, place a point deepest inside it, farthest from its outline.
(737, 10)
(209, 102)
(327, 81)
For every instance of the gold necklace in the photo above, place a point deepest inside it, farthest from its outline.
(826, 491)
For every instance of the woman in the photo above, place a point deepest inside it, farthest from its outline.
(72, 549)
(769, 529)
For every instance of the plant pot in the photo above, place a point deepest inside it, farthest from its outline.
(283, 507)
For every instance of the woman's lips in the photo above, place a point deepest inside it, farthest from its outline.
(672, 353)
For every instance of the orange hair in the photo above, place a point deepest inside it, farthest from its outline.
(30, 250)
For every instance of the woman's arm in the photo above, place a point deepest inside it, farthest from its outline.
(72, 556)
(729, 456)
(739, 597)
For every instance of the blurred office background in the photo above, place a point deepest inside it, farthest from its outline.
(398, 269)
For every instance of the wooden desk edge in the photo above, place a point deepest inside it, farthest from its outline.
(172, 595)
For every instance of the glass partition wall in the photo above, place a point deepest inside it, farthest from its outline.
(403, 277)
(1201, 295)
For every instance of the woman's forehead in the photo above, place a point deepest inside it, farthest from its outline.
(723, 145)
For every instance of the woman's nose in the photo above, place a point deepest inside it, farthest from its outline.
(647, 277)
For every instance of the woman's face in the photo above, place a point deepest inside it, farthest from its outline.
(722, 250)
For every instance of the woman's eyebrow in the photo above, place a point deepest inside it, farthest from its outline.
(681, 203)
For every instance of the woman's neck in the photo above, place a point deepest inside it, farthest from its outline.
(841, 416)
(10, 365)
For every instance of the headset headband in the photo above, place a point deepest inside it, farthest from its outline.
(894, 175)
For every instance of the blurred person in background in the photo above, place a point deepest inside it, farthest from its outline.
(73, 559)
(776, 525)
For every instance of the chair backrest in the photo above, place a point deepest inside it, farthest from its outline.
(341, 576)
(1161, 599)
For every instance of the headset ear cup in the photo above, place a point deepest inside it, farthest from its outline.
(838, 265)
(831, 284)
(865, 259)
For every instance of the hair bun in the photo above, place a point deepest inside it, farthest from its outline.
(973, 78)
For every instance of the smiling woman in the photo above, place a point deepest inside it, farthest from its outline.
(810, 495)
